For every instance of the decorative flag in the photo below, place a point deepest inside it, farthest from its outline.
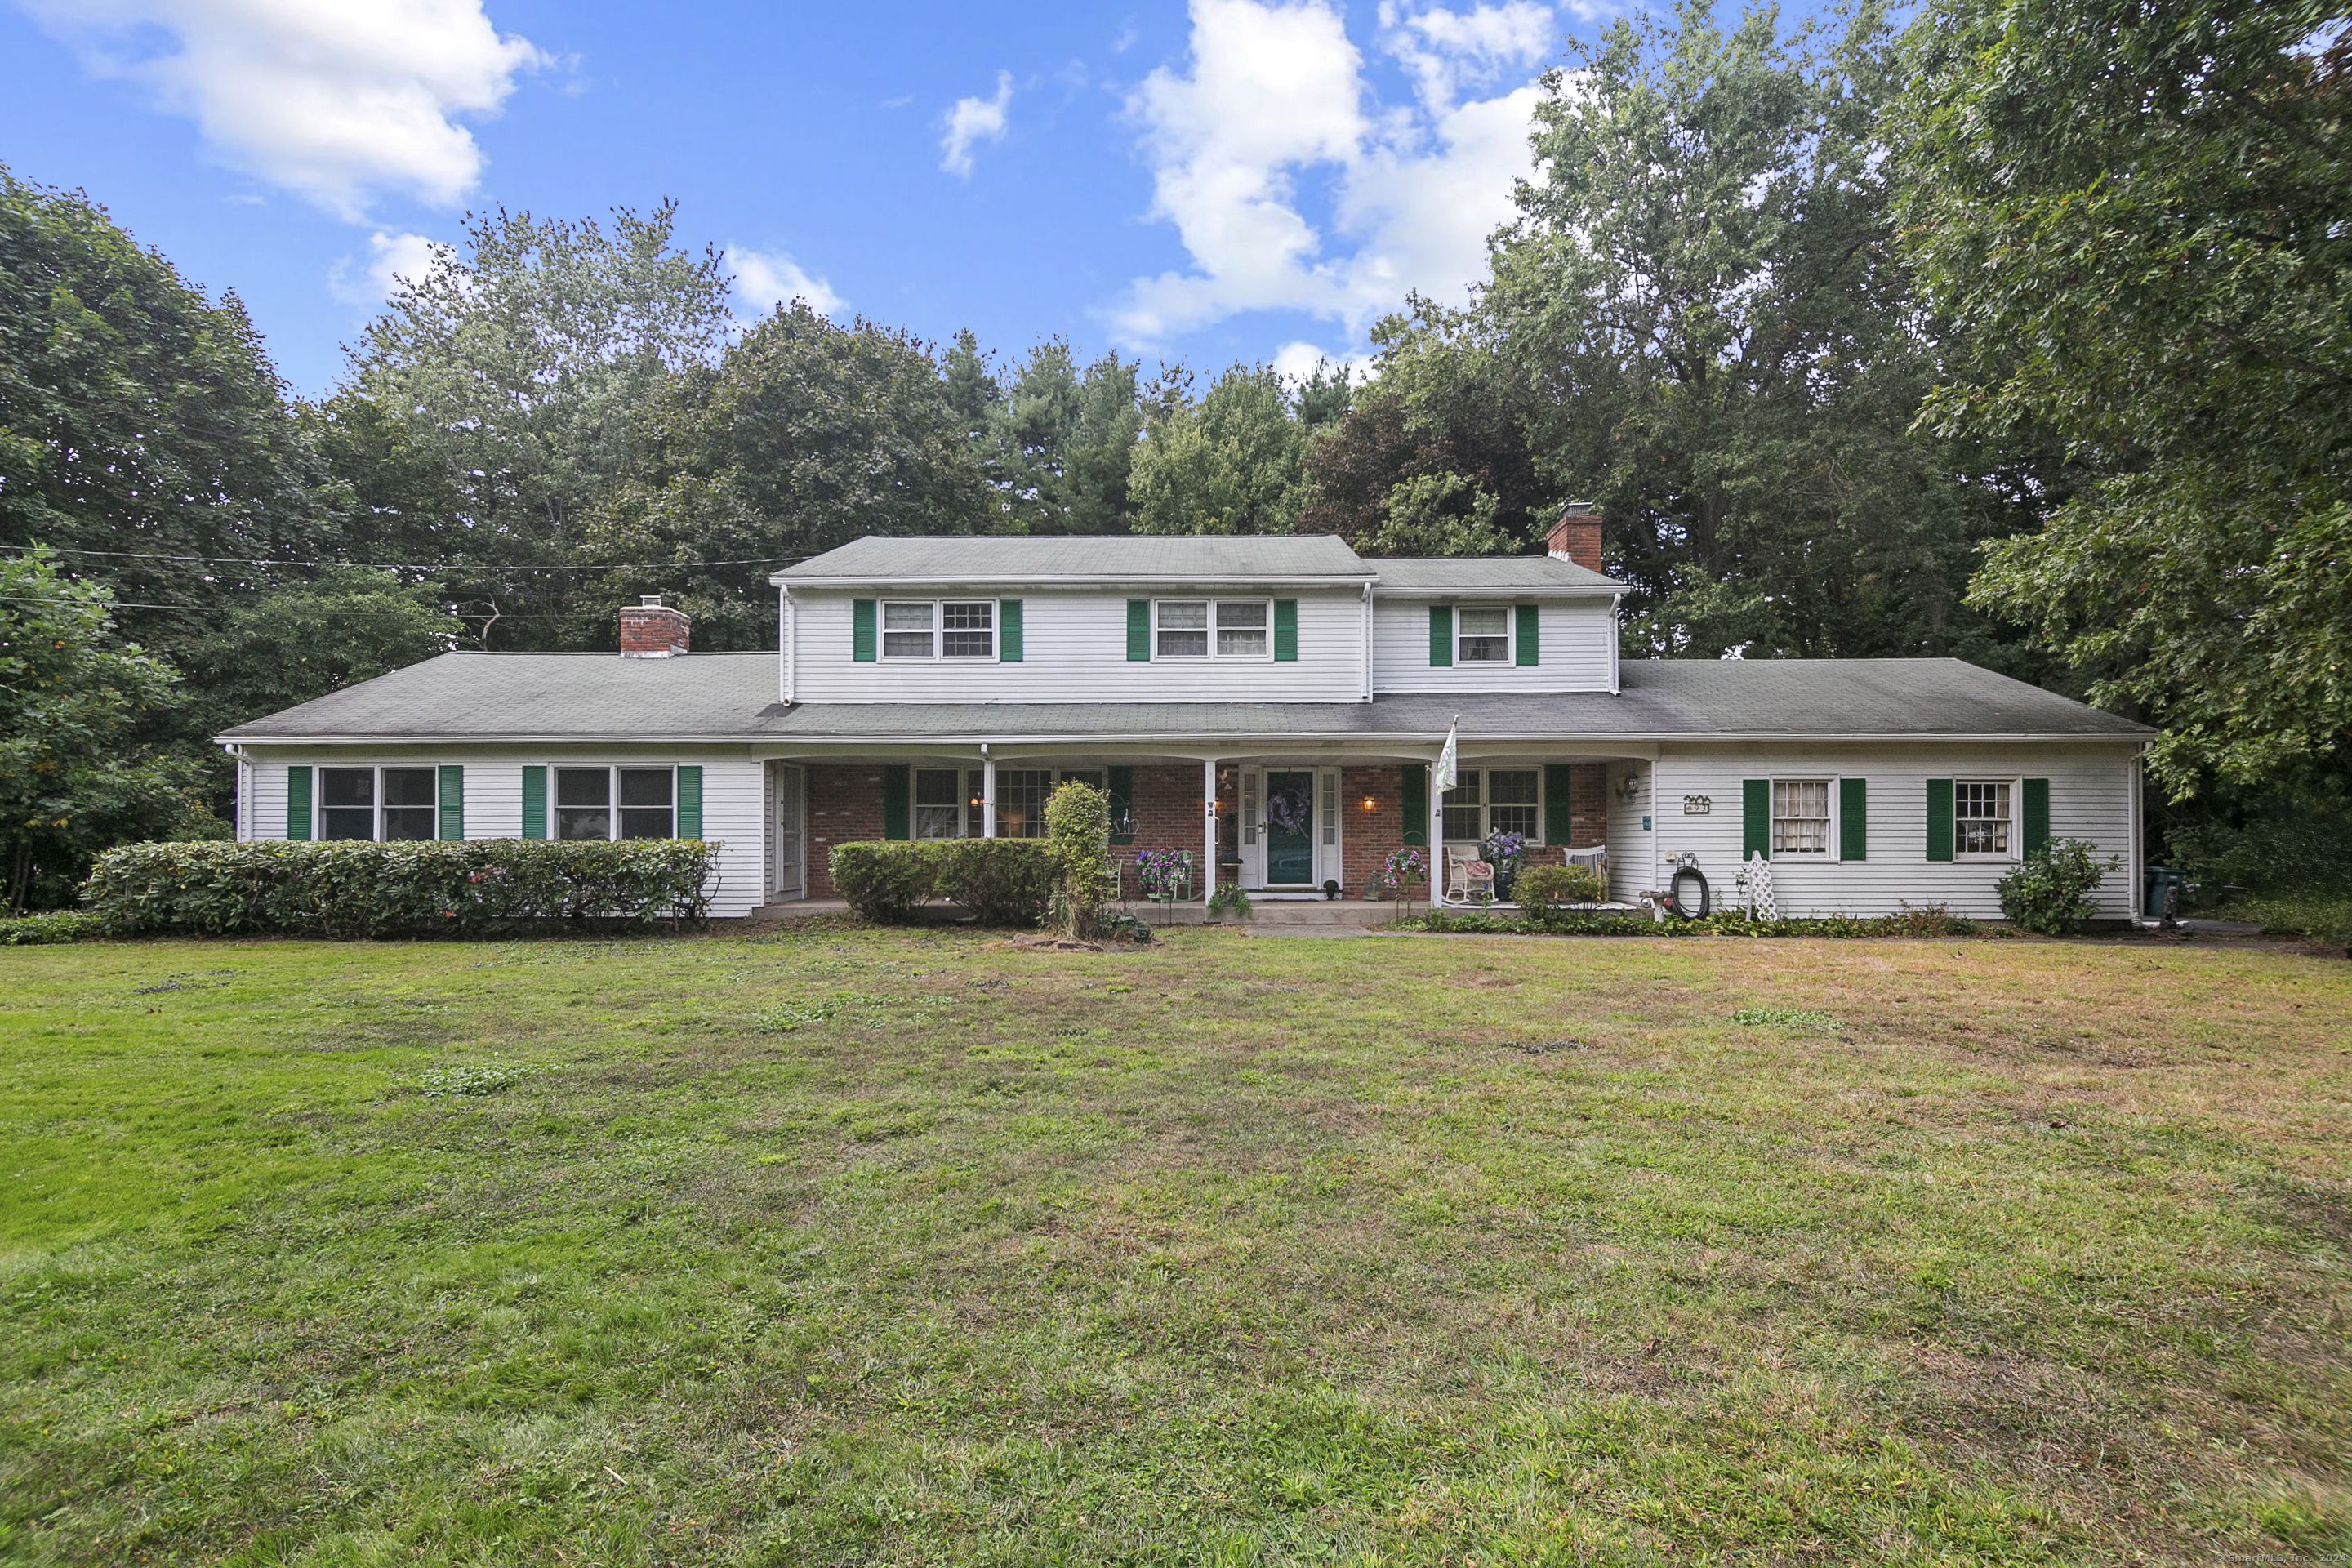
(1448, 774)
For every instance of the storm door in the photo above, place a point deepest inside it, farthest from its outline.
(1289, 828)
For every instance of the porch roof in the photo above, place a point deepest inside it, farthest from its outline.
(733, 697)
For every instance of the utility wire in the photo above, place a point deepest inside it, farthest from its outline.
(417, 566)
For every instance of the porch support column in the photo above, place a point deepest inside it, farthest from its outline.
(1209, 813)
(987, 794)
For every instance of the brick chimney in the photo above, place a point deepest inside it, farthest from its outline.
(1577, 535)
(650, 629)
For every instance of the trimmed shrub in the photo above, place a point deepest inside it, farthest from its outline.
(1000, 882)
(1077, 825)
(42, 931)
(884, 881)
(364, 890)
(2049, 892)
(1542, 885)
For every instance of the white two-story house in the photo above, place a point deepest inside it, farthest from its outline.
(1273, 705)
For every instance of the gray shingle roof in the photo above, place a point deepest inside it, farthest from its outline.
(1449, 573)
(976, 561)
(733, 695)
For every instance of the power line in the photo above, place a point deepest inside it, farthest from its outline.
(421, 566)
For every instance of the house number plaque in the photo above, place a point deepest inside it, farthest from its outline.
(1698, 804)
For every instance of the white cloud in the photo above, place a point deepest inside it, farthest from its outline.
(1296, 362)
(393, 259)
(972, 120)
(764, 279)
(1277, 93)
(336, 100)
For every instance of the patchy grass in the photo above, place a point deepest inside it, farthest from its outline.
(913, 1247)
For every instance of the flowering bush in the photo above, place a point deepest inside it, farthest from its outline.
(1404, 870)
(1504, 851)
(1166, 874)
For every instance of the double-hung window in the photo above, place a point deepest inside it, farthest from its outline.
(615, 803)
(1488, 801)
(1483, 635)
(1021, 795)
(387, 804)
(1211, 628)
(1800, 817)
(1980, 819)
(931, 629)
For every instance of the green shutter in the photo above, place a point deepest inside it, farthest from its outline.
(1122, 806)
(2037, 813)
(1416, 803)
(1285, 631)
(1754, 819)
(1139, 631)
(1528, 639)
(534, 802)
(690, 802)
(453, 801)
(297, 803)
(1441, 636)
(1008, 631)
(1556, 803)
(895, 782)
(1939, 820)
(1853, 819)
(861, 630)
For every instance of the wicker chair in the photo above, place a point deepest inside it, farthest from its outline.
(1466, 876)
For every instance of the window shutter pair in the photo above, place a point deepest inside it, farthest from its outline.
(862, 641)
(1525, 624)
(1557, 820)
(1853, 819)
(1122, 806)
(450, 801)
(1416, 803)
(897, 782)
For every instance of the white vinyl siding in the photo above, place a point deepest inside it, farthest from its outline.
(734, 795)
(1577, 638)
(1074, 649)
(2090, 788)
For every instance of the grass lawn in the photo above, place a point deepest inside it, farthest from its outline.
(870, 1247)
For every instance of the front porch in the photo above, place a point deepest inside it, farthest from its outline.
(1296, 830)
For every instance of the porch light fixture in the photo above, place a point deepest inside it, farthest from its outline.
(1367, 803)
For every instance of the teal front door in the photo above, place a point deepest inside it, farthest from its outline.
(1289, 829)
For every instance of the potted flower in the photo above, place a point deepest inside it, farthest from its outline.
(1506, 852)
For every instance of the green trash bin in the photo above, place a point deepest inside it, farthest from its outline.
(2162, 897)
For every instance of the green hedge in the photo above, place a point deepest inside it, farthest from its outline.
(427, 889)
(47, 930)
(1001, 881)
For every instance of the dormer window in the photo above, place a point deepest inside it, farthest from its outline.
(1211, 628)
(932, 628)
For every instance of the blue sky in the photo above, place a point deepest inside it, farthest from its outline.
(1227, 179)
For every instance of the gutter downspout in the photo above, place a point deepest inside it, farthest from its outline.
(1368, 642)
(786, 616)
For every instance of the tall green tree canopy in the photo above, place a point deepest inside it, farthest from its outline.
(512, 380)
(74, 774)
(1234, 462)
(140, 419)
(805, 435)
(1723, 350)
(2136, 218)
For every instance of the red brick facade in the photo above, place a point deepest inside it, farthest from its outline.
(845, 804)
